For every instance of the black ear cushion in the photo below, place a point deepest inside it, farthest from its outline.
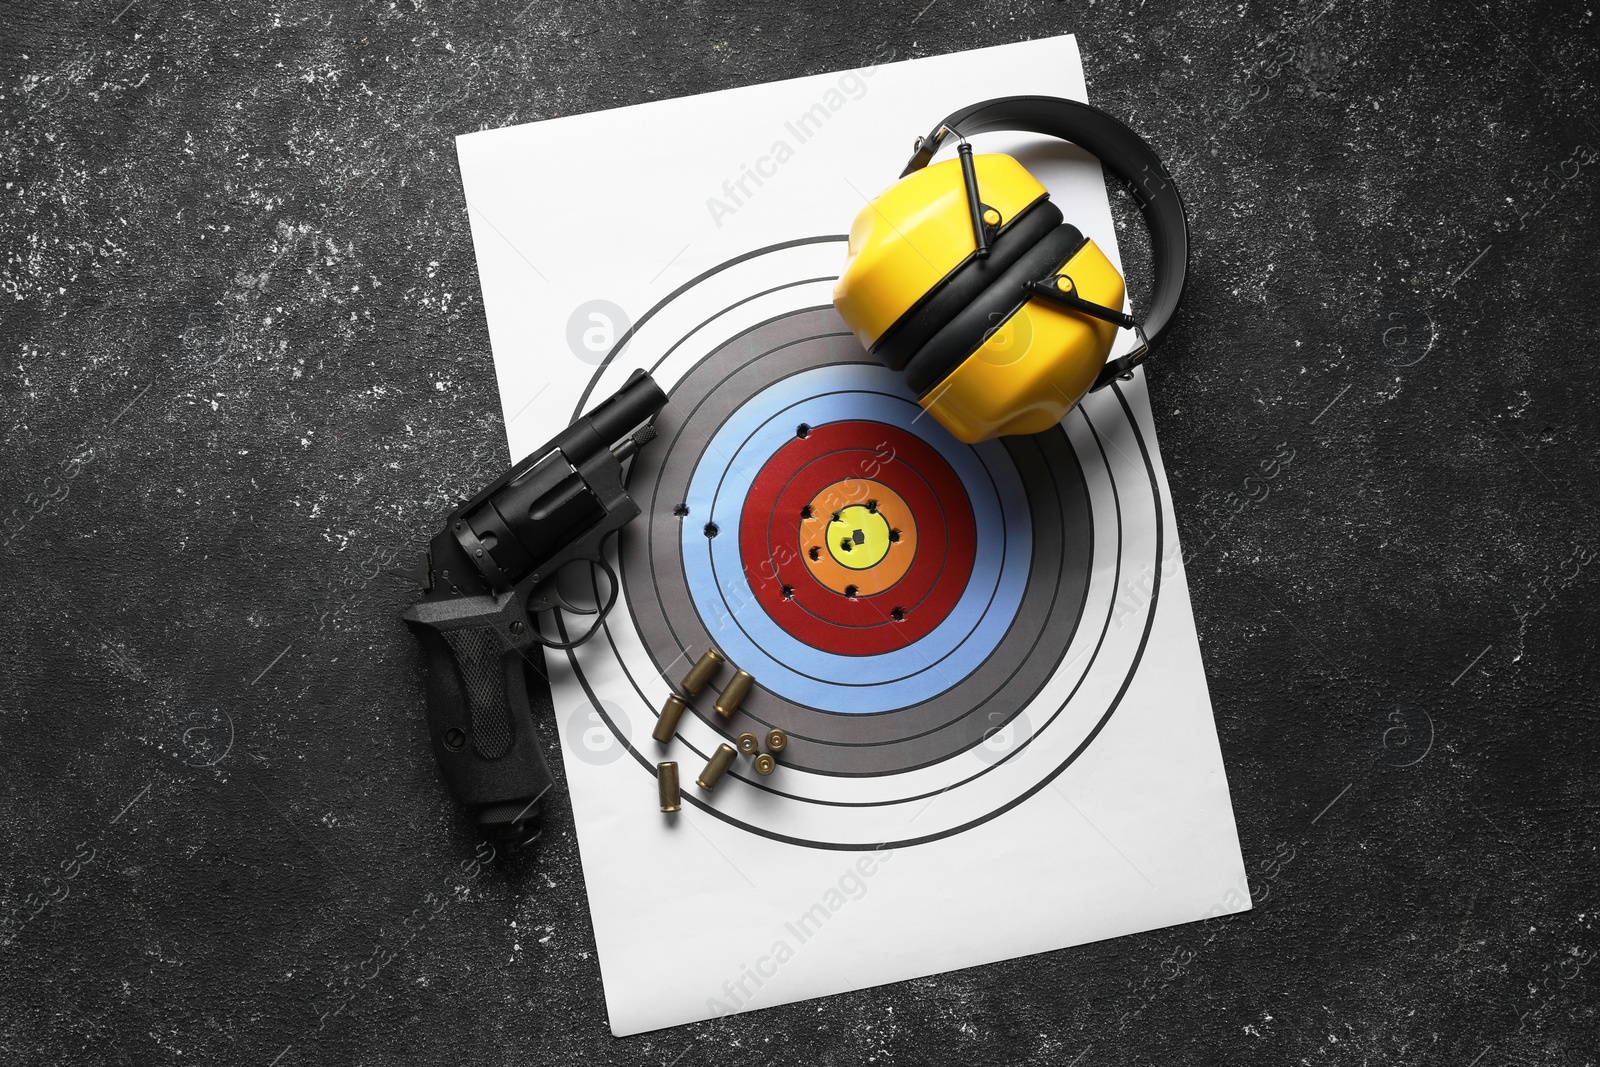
(961, 286)
(965, 332)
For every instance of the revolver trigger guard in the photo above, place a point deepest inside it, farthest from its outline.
(549, 596)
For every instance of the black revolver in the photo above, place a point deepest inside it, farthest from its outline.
(491, 568)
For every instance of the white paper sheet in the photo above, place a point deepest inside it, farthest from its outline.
(1100, 810)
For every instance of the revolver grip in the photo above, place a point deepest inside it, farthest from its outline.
(478, 650)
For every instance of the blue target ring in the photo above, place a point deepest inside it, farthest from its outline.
(715, 570)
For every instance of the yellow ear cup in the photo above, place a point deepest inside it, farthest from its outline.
(904, 243)
(1036, 364)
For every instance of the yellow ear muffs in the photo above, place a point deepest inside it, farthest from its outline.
(963, 275)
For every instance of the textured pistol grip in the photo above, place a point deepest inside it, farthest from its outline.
(481, 704)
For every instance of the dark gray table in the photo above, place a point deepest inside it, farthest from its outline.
(245, 368)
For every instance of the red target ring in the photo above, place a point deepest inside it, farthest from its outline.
(772, 554)
(910, 593)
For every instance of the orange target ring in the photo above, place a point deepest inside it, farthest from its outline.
(858, 537)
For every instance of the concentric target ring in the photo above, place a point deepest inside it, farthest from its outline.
(887, 761)
(845, 615)
(718, 578)
(819, 376)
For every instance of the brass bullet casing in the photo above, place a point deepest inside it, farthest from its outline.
(721, 760)
(747, 744)
(777, 740)
(667, 724)
(667, 784)
(733, 696)
(705, 669)
(765, 764)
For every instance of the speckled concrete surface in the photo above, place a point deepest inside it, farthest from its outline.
(243, 367)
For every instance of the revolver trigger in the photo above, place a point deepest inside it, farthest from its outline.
(565, 606)
(547, 595)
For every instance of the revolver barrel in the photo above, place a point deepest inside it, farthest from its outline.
(637, 401)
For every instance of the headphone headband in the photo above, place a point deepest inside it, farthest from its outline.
(1124, 152)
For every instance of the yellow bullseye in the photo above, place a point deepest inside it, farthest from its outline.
(858, 538)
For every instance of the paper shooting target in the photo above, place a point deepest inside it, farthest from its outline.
(940, 628)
